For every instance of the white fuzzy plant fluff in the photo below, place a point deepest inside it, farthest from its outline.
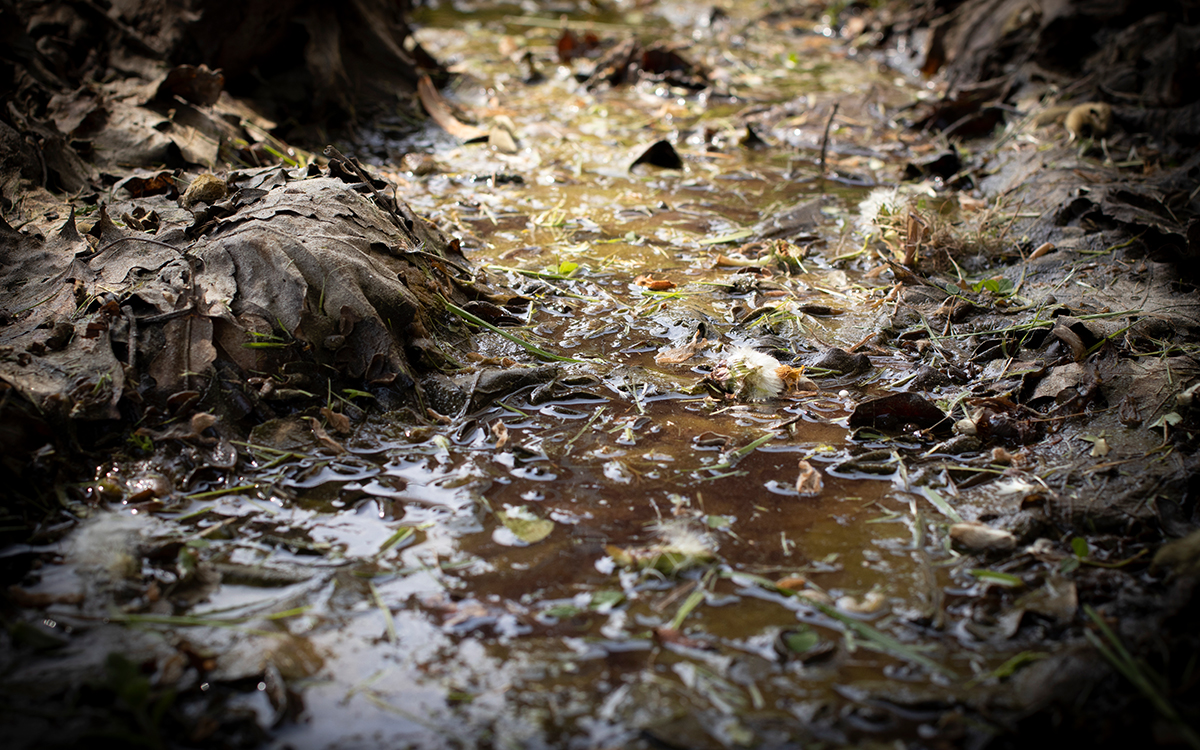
(756, 374)
(880, 205)
(682, 537)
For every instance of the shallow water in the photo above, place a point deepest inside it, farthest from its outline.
(431, 622)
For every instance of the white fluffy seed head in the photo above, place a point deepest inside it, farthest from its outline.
(880, 205)
(756, 372)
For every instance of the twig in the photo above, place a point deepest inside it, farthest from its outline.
(131, 238)
(825, 138)
(332, 152)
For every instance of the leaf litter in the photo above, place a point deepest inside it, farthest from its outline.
(963, 364)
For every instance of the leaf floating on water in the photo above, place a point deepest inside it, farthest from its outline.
(803, 644)
(653, 284)
(525, 525)
(809, 483)
(679, 354)
(500, 432)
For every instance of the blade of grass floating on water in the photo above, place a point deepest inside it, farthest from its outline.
(532, 349)
(585, 427)
(732, 458)
(218, 493)
(734, 236)
(1137, 673)
(1009, 668)
(873, 638)
(940, 503)
(388, 621)
(1001, 579)
(530, 273)
(402, 533)
(686, 608)
(258, 448)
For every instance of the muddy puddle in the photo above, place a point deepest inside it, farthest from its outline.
(667, 533)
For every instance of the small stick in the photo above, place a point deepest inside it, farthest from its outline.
(825, 138)
(332, 152)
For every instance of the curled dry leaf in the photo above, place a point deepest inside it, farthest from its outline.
(978, 537)
(725, 261)
(794, 380)
(1042, 249)
(1064, 334)
(871, 603)
(809, 483)
(500, 431)
(653, 284)
(670, 636)
(792, 583)
(339, 422)
(323, 437)
(678, 354)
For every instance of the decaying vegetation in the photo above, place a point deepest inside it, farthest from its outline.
(886, 432)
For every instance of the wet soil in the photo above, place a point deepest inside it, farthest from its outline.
(768, 449)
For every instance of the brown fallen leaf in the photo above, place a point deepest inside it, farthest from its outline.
(338, 421)
(725, 261)
(437, 108)
(653, 284)
(667, 635)
(439, 418)
(971, 536)
(792, 583)
(1042, 249)
(323, 437)
(500, 431)
(678, 354)
(809, 483)
(794, 380)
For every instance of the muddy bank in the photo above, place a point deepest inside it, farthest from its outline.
(883, 443)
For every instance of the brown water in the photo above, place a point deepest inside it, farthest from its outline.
(463, 634)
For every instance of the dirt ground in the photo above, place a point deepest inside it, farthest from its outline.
(417, 430)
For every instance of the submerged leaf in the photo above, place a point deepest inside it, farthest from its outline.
(525, 525)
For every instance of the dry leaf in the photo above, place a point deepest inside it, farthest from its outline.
(323, 437)
(653, 284)
(500, 431)
(978, 537)
(809, 483)
(339, 422)
(679, 354)
(1042, 249)
(794, 380)
(792, 583)
(724, 261)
